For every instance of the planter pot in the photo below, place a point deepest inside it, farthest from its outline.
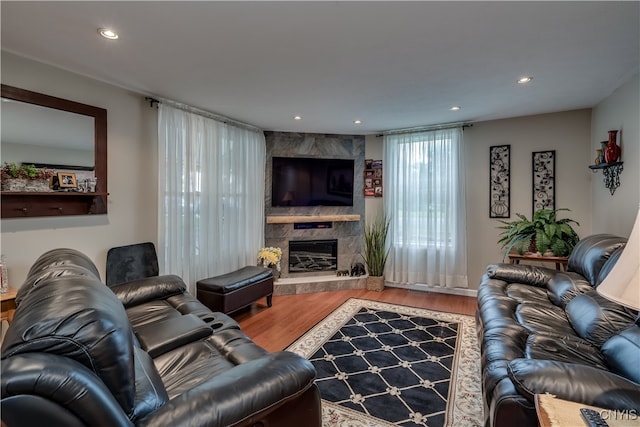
(26, 185)
(275, 271)
(375, 283)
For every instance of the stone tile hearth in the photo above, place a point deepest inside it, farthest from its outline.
(310, 284)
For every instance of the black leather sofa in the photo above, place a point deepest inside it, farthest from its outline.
(547, 331)
(142, 353)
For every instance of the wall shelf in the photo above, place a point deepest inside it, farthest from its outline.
(290, 219)
(611, 172)
(17, 204)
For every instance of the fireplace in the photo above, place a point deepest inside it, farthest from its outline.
(313, 255)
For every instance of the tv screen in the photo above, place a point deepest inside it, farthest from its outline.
(300, 181)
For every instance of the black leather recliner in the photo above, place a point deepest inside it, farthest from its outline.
(547, 331)
(143, 353)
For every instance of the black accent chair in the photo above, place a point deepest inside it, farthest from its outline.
(131, 262)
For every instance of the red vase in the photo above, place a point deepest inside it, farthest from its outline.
(612, 151)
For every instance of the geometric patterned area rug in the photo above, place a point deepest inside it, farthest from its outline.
(381, 364)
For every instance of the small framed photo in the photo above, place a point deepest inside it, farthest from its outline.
(67, 180)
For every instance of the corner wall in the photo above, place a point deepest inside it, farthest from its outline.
(620, 111)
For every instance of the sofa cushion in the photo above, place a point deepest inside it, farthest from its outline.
(590, 254)
(564, 348)
(596, 319)
(621, 353)
(563, 287)
(580, 383)
(150, 392)
(608, 265)
(56, 263)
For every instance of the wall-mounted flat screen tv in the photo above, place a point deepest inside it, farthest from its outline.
(301, 181)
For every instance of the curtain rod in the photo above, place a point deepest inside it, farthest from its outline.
(426, 128)
(208, 114)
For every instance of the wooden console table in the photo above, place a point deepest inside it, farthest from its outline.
(559, 261)
(8, 304)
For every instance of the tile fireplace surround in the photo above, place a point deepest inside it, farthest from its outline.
(346, 221)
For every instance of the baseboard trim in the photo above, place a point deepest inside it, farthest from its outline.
(430, 288)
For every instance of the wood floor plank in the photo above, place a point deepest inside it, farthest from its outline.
(276, 327)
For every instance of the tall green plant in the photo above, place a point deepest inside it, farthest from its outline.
(375, 251)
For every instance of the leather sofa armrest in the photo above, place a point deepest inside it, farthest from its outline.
(160, 337)
(47, 389)
(578, 383)
(520, 273)
(150, 288)
(238, 393)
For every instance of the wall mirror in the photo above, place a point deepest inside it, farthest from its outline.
(58, 134)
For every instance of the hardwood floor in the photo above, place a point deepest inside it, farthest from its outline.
(275, 328)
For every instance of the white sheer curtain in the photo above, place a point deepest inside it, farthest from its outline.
(425, 201)
(211, 195)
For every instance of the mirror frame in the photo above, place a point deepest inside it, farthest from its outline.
(38, 204)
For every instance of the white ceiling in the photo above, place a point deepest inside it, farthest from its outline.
(391, 64)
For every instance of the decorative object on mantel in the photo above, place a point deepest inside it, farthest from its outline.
(542, 233)
(500, 181)
(25, 178)
(270, 257)
(612, 152)
(376, 252)
(544, 180)
(373, 178)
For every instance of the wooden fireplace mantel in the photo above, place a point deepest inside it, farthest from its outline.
(290, 219)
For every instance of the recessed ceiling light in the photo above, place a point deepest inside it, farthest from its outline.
(357, 122)
(297, 117)
(107, 33)
(455, 108)
(523, 80)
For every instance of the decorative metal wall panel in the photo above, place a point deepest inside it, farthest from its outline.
(544, 180)
(500, 181)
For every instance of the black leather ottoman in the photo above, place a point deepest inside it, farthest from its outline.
(233, 291)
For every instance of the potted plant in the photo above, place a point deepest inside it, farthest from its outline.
(543, 233)
(376, 252)
(25, 178)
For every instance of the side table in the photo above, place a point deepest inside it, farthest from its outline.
(554, 412)
(559, 261)
(8, 301)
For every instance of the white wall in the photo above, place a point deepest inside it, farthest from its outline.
(132, 172)
(620, 111)
(567, 132)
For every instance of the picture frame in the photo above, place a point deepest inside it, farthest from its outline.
(67, 180)
(543, 179)
(372, 178)
(500, 181)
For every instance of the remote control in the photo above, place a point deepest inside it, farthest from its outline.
(593, 418)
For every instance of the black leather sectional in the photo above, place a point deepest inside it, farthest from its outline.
(547, 331)
(142, 353)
